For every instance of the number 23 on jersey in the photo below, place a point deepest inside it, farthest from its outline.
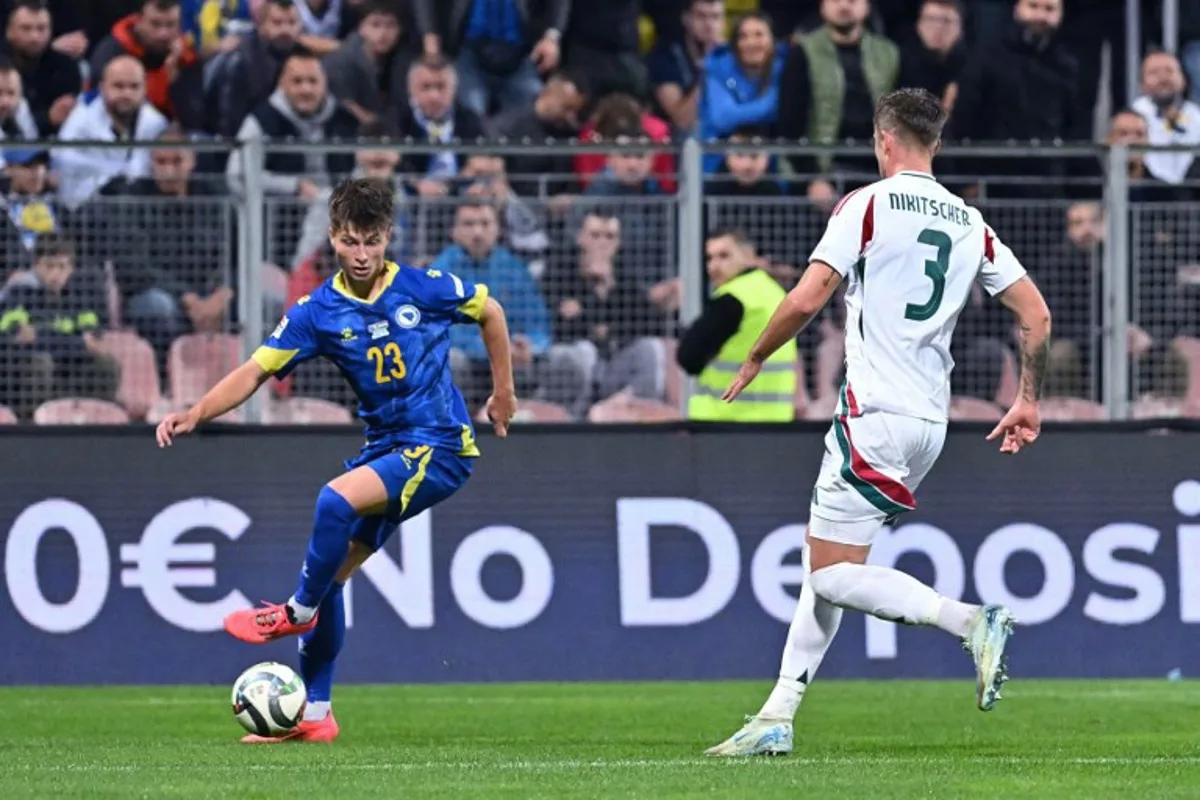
(389, 363)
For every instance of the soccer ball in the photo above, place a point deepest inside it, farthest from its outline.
(269, 699)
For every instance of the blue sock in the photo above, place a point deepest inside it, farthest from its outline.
(326, 549)
(319, 647)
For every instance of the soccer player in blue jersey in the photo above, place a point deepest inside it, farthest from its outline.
(386, 328)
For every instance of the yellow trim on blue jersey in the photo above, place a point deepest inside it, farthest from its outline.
(272, 359)
(414, 483)
(390, 270)
(473, 308)
(469, 448)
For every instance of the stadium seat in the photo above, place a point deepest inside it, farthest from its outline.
(624, 407)
(1151, 407)
(197, 361)
(139, 389)
(306, 411)
(79, 411)
(1070, 409)
(972, 409)
(7, 417)
(821, 409)
(1189, 348)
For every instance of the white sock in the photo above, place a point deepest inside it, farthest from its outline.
(892, 595)
(812, 630)
(300, 614)
(315, 712)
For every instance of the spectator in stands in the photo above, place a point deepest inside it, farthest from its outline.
(934, 58)
(181, 277)
(322, 21)
(119, 113)
(832, 80)
(1171, 118)
(554, 115)
(617, 115)
(370, 162)
(1070, 277)
(369, 71)
(435, 115)
(50, 79)
(717, 343)
(216, 26)
(602, 42)
(31, 209)
(68, 20)
(51, 332)
(477, 258)
(605, 326)
(16, 117)
(1037, 78)
(741, 82)
(300, 108)
(1189, 36)
(174, 75)
(250, 73)
(746, 195)
(676, 68)
(494, 45)
(484, 178)
(627, 185)
(1130, 128)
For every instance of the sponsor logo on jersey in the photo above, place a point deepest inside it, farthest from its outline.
(280, 328)
(407, 316)
(378, 330)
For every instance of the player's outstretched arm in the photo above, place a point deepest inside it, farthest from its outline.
(803, 302)
(232, 390)
(1022, 424)
(502, 405)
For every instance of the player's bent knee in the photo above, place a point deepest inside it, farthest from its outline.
(363, 489)
(332, 505)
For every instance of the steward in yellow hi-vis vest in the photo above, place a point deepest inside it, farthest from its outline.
(717, 344)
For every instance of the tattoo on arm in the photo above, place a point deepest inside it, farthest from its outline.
(1034, 358)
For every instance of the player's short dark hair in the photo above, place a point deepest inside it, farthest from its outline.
(913, 115)
(364, 204)
(53, 244)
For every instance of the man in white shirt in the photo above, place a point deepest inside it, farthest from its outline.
(119, 113)
(910, 253)
(1171, 119)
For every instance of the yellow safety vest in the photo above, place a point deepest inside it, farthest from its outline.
(771, 398)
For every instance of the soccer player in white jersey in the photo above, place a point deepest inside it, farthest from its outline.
(909, 252)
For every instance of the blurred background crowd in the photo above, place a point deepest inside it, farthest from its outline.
(121, 263)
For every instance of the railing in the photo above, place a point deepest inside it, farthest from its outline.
(221, 261)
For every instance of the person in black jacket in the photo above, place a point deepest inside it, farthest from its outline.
(51, 324)
(434, 115)
(51, 79)
(935, 56)
(1021, 87)
(247, 75)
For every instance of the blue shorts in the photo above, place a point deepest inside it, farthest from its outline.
(417, 477)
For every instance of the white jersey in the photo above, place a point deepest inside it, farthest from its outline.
(909, 251)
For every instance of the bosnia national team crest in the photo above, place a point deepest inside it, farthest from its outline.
(407, 316)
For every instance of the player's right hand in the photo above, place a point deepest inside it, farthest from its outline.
(176, 424)
(1020, 427)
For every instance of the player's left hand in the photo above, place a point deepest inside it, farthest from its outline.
(501, 408)
(745, 377)
(176, 424)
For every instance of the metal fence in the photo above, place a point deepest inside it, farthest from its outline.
(186, 254)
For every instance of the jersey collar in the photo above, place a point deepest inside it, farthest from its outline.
(389, 274)
(915, 174)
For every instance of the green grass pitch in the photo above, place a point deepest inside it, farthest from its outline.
(888, 740)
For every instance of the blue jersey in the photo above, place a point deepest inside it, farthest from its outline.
(394, 351)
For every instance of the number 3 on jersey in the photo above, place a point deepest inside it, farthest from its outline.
(935, 270)
(380, 358)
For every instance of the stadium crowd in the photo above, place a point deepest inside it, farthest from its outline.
(120, 264)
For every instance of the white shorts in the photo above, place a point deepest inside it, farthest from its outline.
(872, 466)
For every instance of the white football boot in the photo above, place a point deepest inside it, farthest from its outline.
(986, 641)
(758, 737)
